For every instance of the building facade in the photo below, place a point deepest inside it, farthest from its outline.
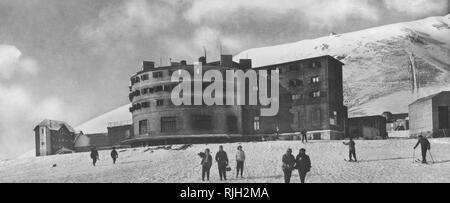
(53, 137)
(429, 116)
(368, 127)
(311, 98)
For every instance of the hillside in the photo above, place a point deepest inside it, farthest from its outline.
(394, 163)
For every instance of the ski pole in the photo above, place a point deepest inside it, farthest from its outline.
(431, 155)
(414, 155)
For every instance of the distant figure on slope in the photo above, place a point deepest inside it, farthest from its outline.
(240, 159)
(351, 150)
(222, 162)
(206, 164)
(303, 164)
(94, 155)
(425, 145)
(114, 155)
(288, 165)
(304, 136)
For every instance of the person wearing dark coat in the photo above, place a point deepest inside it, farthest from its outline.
(288, 165)
(206, 165)
(114, 155)
(94, 156)
(222, 162)
(302, 164)
(352, 150)
(304, 136)
(425, 145)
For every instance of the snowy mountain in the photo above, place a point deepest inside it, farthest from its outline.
(377, 74)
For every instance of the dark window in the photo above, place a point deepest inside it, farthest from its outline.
(168, 124)
(168, 88)
(232, 124)
(444, 122)
(157, 74)
(201, 122)
(144, 91)
(143, 127)
(145, 104)
(160, 102)
(158, 89)
(144, 77)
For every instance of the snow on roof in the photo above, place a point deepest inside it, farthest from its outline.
(55, 125)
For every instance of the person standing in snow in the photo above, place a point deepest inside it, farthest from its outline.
(303, 164)
(304, 136)
(288, 165)
(222, 162)
(206, 164)
(425, 145)
(240, 159)
(94, 155)
(352, 150)
(114, 155)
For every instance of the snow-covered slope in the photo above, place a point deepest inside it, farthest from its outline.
(377, 61)
(263, 164)
(100, 123)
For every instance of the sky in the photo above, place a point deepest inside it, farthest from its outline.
(71, 59)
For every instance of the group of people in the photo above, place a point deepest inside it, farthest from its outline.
(95, 157)
(222, 163)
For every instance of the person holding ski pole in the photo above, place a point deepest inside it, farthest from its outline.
(94, 155)
(304, 136)
(240, 159)
(288, 165)
(351, 149)
(302, 164)
(425, 146)
(114, 155)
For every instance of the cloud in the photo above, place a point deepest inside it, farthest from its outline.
(418, 8)
(129, 20)
(20, 109)
(317, 12)
(12, 62)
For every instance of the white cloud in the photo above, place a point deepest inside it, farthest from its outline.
(12, 62)
(317, 12)
(418, 8)
(130, 19)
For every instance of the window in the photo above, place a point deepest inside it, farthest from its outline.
(168, 124)
(145, 104)
(295, 83)
(144, 91)
(143, 127)
(168, 88)
(157, 74)
(158, 89)
(256, 123)
(316, 94)
(315, 79)
(160, 102)
(297, 97)
(144, 77)
(202, 122)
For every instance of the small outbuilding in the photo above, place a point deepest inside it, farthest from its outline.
(368, 127)
(429, 116)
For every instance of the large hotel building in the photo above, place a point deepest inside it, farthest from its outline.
(311, 99)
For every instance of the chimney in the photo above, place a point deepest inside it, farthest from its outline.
(202, 60)
(226, 61)
(148, 65)
(183, 63)
(245, 64)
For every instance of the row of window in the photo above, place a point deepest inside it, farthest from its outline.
(314, 94)
(299, 83)
(144, 77)
(147, 104)
(151, 90)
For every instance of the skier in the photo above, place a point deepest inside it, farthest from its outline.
(240, 158)
(425, 145)
(304, 136)
(352, 150)
(222, 162)
(288, 165)
(94, 155)
(114, 155)
(206, 164)
(303, 164)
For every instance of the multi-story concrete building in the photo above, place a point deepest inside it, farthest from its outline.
(311, 98)
(53, 137)
(430, 116)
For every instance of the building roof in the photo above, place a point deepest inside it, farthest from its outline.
(296, 61)
(429, 97)
(55, 125)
